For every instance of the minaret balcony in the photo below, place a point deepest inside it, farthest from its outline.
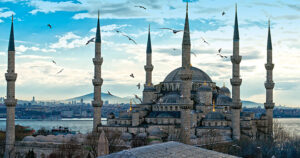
(269, 85)
(97, 103)
(10, 102)
(148, 67)
(236, 59)
(236, 81)
(269, 66)
(269, 105)
(97, 82)
(236, 105)
(11, 76)
(98, 61)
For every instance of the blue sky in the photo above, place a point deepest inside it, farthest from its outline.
(74, 22)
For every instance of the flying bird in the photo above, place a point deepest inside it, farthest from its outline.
(53, 62)
(140, 7)
(130, 39)
(118, 31)
(50, 26)
(204, 41)
(223, 13)
(194, 54)
(174, 31)
(91, 40)
(60, 71)
(139, 86)
(220, 50)
(131, 75)
(222, 56)
(137, 97)
(109, 93)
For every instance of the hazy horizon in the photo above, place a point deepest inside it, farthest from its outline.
(74, 22)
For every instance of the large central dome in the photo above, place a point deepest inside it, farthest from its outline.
(198, 76)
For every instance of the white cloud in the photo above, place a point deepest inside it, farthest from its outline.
(23, 48)
(5, 13)
(69, 40)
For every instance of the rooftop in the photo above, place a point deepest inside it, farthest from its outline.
(167, 150)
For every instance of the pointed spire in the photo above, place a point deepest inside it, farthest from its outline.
(186, 33)
(98, 33)
(149, 47)
(236, 26)
(269, 45)
(11, 44)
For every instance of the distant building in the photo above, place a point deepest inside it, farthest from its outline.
(106, 102)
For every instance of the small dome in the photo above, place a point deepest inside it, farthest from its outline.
(40, 138)
(204, 88)
(29, 139)
(224, 91)
(214, 116)
(126, 136)
(142, 135)
(197, 76)
(223, 100)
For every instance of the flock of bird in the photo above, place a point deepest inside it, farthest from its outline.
(174, 31)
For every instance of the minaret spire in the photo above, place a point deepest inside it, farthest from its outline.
(97, 81)
(10, 100)
(186, 83)
(269, 84)
(98, 33)
(269, 45)
(11, 44)
(236, 35)
(148, 93)
(236, 82)
(186, 42)
(149, 47)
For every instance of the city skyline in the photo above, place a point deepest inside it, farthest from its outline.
(37, 45)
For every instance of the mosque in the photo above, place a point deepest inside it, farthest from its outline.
(187, 106)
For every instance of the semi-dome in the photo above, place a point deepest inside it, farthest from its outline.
(214, 116)
(198, 76)
(170, 98)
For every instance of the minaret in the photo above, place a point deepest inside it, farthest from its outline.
(269, 84)
(148, 93)
(97, 81)
(186, 84)
(236, 82)
(10, 100)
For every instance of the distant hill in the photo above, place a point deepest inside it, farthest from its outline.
(104, 96)
(251, 104)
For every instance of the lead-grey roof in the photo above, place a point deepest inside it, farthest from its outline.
(197, 75)
(223, 100)
(171, 98)
(214, 116)
(168, 150)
